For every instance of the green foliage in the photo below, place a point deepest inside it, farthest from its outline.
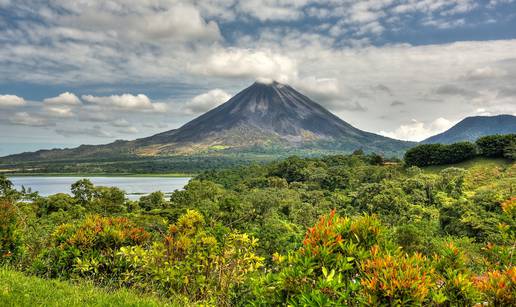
(322, 270)
(292, 169)
(9, 237)
(20, 290)
(88, 248)
(83, 191)
(191, 261)
(338, 230)
(498, 287)
(398, 280)
(496, 146)
(438, 154)
(155, 200)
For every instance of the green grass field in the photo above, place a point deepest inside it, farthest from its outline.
(473, 163)
(17, 289)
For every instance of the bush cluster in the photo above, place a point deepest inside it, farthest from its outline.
(495, 146)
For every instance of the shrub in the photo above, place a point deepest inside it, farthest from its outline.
(323, 271)
(191, 261)
(88, 248)
(399, 280)
(498, 287)
(9, 240)
(54, 203)
(452, 180)
(155, 200)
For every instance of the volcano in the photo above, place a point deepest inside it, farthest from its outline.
(264, 115)
(261, 117)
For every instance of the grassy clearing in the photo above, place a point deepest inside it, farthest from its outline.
(473, 163)
(17, 289)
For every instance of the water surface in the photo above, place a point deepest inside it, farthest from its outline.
(135, 187)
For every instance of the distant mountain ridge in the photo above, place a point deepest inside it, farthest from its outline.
(264, 115)
(472, 128)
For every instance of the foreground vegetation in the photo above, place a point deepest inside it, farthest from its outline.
(337, 230)
(17, 289)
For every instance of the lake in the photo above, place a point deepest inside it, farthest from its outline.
(135, 187)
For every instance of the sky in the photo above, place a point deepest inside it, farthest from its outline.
(91, 72)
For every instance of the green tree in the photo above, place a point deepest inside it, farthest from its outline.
(155, 200)
(83, 191)
(293, 169)
(495, 145)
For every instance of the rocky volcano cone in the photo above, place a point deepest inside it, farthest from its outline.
(265, 115)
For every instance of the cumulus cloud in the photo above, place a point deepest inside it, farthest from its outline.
(141, 21)
(237, 63)
(26, 119)
(483, 73)
(418, 131)
(11, 101)
(65, 98)
(138, 102)
(59, 111)
(206, 101)
(272, 9)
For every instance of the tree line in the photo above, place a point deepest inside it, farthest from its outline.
(494, 146)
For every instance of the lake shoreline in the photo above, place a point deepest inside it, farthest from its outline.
(87, 175)
(133, 186)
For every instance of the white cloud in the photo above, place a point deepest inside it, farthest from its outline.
(236, 63)
(11, 101)
(25, 119)
(206, 101)
(418, 131)
(139, 21)
(138, 102)
(319, 89)
(273, 9)
(482, 73)
(65, 98)
(59, 111)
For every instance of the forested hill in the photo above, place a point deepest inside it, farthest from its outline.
(472, 128)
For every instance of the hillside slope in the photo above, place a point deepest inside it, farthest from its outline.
(472, 128)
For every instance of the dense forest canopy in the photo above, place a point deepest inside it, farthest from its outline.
(336, 230)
